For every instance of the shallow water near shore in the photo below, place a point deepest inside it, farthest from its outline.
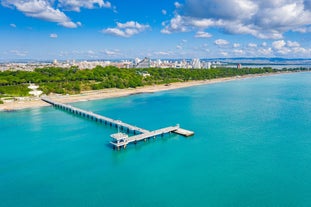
(252, 147)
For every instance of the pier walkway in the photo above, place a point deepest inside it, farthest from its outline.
(96, 117)
(121, 139)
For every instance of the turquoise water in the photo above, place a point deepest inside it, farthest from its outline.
(252, 147)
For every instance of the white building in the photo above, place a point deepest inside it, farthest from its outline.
(145, 63)
(207, 65)
(196, 63)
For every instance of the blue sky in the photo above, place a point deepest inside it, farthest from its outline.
(99, 29)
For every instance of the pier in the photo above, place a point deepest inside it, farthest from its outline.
(120, 139)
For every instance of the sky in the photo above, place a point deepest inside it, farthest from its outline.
(119, 29)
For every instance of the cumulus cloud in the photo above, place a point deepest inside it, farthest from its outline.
(127, 29)
(236, 45)
(261, 18)
(224, 53)
(279, 44)
(164, 12)
(239, 52)
(283, 47)
(76, 5)
(53, 35)
(162, 53)
(221, 42)
(177, 24)
(179, 47)
(111, 52)
(52, 11)
(293, 44)
(202, 34)
(177, 5)
(265, 51)
(252, 45)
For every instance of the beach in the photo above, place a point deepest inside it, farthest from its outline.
(114, 92)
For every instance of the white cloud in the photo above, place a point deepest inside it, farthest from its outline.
(177, 24)
(221, 42)
(111, 52)
(13, 25)
(236, 45)
(264, 44)
(127, 29)
(260, 18)
(252, 45)
(292, 44)
(177, 5)
(290, 47)
(265, 51)
(280, 47)
(164, 12)
(224, 53)
(41, 9)
(162, 53)
(239, 52)
(52, 11)
(302, 51)
(53, 35)
(279, 44)
(91, 52)
(19, 53)
(202, 34)
(179, 47)
(76, 5)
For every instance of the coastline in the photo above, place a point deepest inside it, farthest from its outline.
(115, 93)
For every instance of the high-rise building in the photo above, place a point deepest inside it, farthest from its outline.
(145, 63)
(196, 63)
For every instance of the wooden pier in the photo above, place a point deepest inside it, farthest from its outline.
(121, 139)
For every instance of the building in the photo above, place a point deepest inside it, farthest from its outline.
(196, 63)
(145, 63)
(207, 65)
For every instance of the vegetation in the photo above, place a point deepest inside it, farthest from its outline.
(73, 80)
(1, 102)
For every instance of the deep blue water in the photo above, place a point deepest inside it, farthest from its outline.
(252, 147)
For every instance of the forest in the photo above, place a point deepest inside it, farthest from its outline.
(74, 80)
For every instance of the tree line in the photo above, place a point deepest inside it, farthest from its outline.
(73, 80)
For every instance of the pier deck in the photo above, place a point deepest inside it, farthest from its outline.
(99, 118)
(145, 136)
(121, 139)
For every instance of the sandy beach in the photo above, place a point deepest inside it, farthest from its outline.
(114, 92)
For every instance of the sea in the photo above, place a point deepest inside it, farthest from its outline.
(251, 148)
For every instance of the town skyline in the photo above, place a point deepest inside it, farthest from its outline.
(97, 29)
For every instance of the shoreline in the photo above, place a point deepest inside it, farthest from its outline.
(116, 93)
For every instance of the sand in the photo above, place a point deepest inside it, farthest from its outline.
(113, 93)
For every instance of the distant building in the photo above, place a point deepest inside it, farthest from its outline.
(207, 65)
(239, 66)
(136, 61)
(196, 63)
(145, 63)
